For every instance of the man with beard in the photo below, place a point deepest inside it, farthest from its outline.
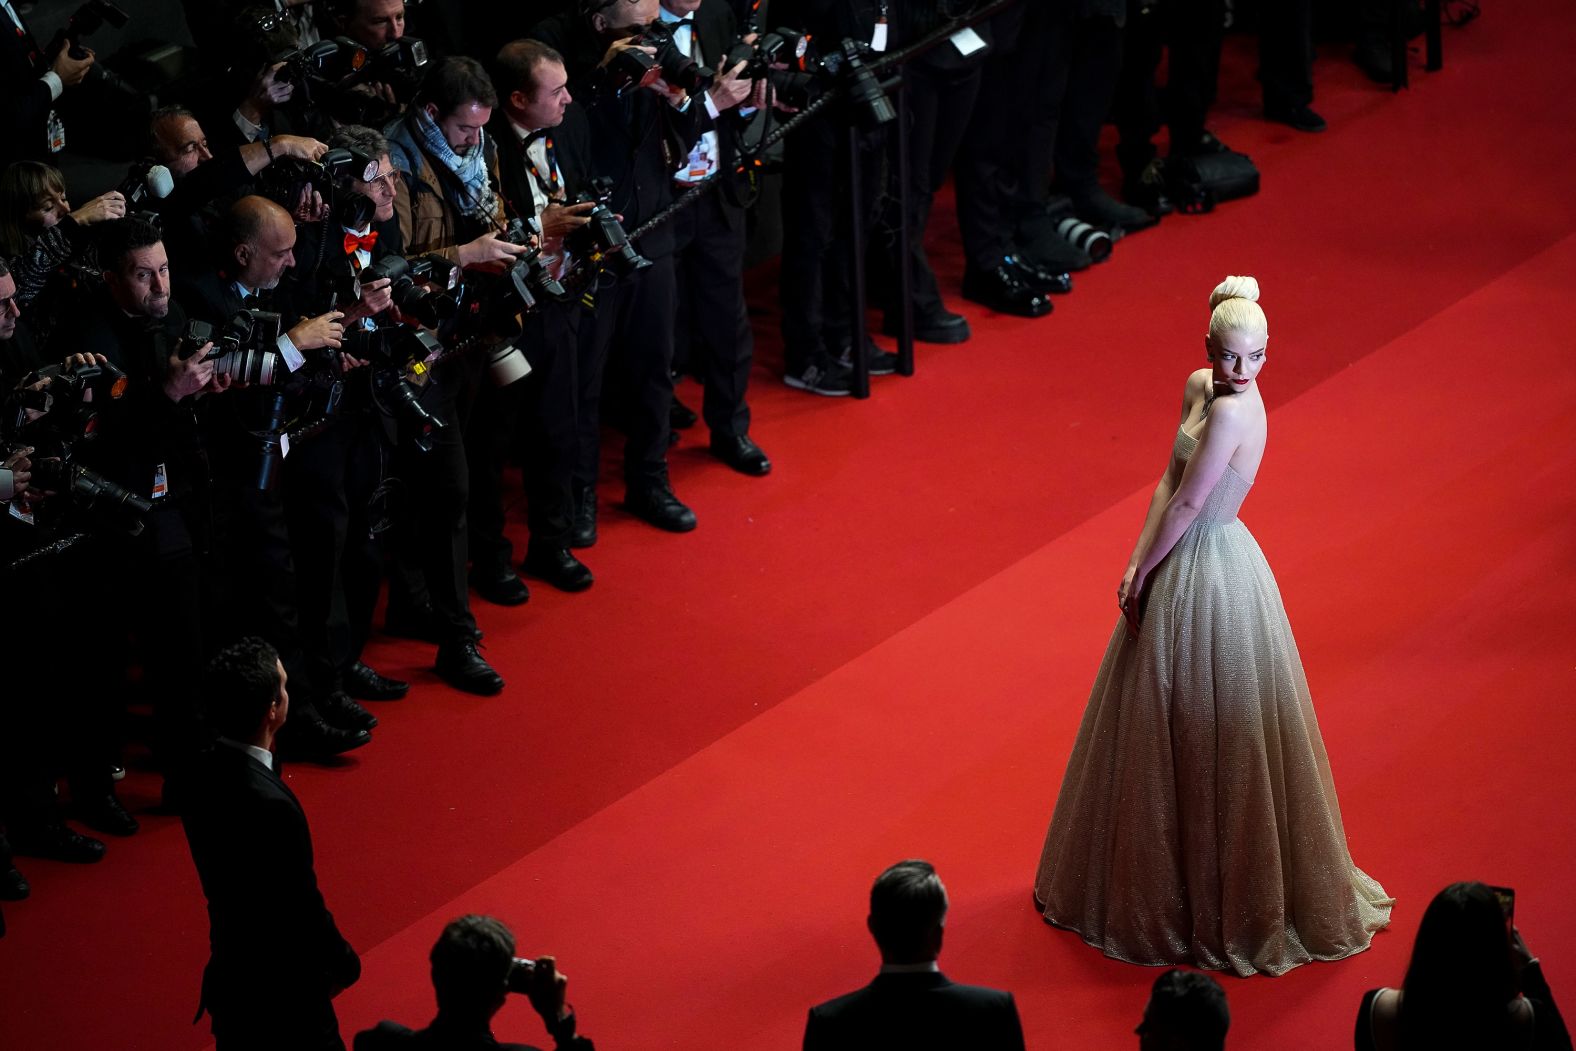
(447, 204)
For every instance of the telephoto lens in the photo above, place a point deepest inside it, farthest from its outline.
(1093, 240)
(506, 364)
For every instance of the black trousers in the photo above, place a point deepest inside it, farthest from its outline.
(431, 545)
(329, 484)
(627, 338)
(817, 283)
(1286, 53)
(254, 566)
(534, 422)
(937, 105)
(1041, 106)
(712, 336)
(1189, 32)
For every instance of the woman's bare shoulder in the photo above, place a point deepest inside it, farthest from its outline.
(1200, 381)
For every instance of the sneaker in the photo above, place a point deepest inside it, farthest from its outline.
(832, 382)
(882, 362)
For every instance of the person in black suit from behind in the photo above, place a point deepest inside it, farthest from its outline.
(1186, 1012)
(473, 972)
(276, 957)
(911, 1004)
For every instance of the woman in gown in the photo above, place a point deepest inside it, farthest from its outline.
(1197, 821)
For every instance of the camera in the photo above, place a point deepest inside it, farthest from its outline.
(287, 178)
(145, 181)
(393, 351)
(55, 412)
(796, 85)
(493, 301)
(85, 21)
(865, 95)
(523, 974)
(632, 68)
(432, 301)
(247, 350)
(602, 243)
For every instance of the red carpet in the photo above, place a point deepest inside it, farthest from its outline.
(883, 649)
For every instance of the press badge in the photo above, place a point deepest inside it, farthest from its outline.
(967, 41)
(57, 132)
(161, 483)
(878, 39)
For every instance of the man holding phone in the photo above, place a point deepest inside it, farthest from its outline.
(474, 970)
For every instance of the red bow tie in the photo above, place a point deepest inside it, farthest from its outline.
(360, 242)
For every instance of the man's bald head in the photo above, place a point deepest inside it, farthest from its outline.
(261, 241)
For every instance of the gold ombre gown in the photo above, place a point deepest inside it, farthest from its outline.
(1197, 821)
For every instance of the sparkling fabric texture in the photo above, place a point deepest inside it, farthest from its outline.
(1197, 821)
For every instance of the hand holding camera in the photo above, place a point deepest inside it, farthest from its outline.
(299, 146)
(541, 983)
(104, 207)
(376, 297)
(732, 87)
(488, 248)
(325, 330)
(15, 473)
(187, 374)
(560, 219)
(71, 70)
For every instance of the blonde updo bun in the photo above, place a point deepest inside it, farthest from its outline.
(1234, 306)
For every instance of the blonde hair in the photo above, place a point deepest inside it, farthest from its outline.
(1234, 306)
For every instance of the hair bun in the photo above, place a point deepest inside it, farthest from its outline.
(1235, 288)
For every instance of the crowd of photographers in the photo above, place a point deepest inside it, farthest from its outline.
(355, 274)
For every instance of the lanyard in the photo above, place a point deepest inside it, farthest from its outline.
(549, 188)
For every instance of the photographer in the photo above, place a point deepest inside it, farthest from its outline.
(204, 177)
(542, 163)
(817, 273)
(253, 250)
(39, 233)
(447, 204)
(712, 335)
(474, 970)
(58, 718)
(31, 83)
(332, 479)
(635, 134)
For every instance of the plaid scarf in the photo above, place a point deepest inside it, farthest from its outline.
(478, 200)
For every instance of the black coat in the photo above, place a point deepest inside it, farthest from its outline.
(916, 1012)
(24, 116)
(637, 140)
(273, 943)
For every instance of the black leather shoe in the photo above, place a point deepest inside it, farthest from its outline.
(1098, 208)
(58, 843)
(1040, 279)
(337, 709)
(583, 534)
(655, 503)
(1000, 289)
(306, 735)
(1300, 117)
(460, 664)
(680, 416)
(557, 566)
(941, 327)
(741, 453)
(412, 622)
(365, 684)
(105, 814)
(501, 586)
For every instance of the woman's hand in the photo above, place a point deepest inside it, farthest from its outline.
(105, 206)
(1128, 595)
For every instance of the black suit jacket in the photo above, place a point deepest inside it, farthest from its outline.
(272, 941)
(571, 147)
(916, 1012)
(637, 140)
(717, 28)
(391, 1036)
(24, 116)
